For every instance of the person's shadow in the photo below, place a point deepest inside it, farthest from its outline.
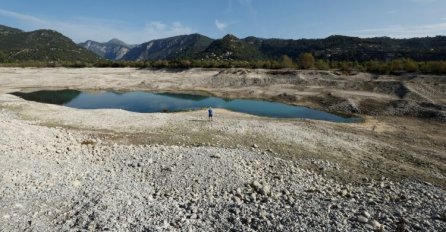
(198, 120)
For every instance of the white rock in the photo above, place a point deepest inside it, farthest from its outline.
(366, 214)
(362, 219)
(375, 224)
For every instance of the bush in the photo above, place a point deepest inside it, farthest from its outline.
(306, 61)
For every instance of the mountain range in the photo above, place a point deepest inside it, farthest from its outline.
(334, 48)
(48, 45)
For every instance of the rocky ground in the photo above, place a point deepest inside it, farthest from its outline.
(60, 179)
(64, 169)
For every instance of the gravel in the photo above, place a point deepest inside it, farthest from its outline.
(58, 179)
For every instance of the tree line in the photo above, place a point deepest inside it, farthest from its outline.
(304, 61)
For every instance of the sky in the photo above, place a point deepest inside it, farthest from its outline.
(138, 21)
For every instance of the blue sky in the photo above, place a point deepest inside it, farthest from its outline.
(137, 21)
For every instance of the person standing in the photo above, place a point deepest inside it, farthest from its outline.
(210, 113)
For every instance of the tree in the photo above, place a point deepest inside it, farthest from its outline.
(287, 62)
(322, 65)
(2, 57)
(410, 65)
(306, 60)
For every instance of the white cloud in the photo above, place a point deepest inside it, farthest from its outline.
(22, 17)
(156, 26)
(81, 28)
(220, 25)
(399, 31)
(156, 30)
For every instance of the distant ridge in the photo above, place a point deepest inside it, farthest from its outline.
(183, 46)
(333, 48)
(4, 30)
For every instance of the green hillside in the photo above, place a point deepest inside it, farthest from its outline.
(41, 45)
(232, 48)
(177, 47)
(4, 30)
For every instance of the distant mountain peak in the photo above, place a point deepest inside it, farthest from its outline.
(117, 42)
(230, 37)
(114, 49)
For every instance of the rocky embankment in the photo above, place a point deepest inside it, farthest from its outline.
(56, 179)
(413, 95)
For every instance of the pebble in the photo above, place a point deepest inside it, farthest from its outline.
(266, 189)
(375, 224)
(366, 214)
(256, 185)
(362, 219)
(237, 200)
(263, 214)
(216, 156)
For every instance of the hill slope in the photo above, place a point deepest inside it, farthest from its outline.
(231, 47)
(41, 45)
(184, 46)
(4, 30)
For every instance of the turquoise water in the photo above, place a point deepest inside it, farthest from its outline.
(145, 102)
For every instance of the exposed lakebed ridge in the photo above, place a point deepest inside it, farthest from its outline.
(147, 102)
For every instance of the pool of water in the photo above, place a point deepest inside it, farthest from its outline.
(145, 102)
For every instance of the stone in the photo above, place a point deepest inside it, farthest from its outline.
(216, 156)
(255, 146)
(237, 200)
(416, 226)
(238, 192)
(286, 192)
(362, 219)
(256, 185)
(253, 196)
(343, 193)
(375, 224)
(77, 183)
(266, 189)
(263, 214)
(366, 214)
(246, 220)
